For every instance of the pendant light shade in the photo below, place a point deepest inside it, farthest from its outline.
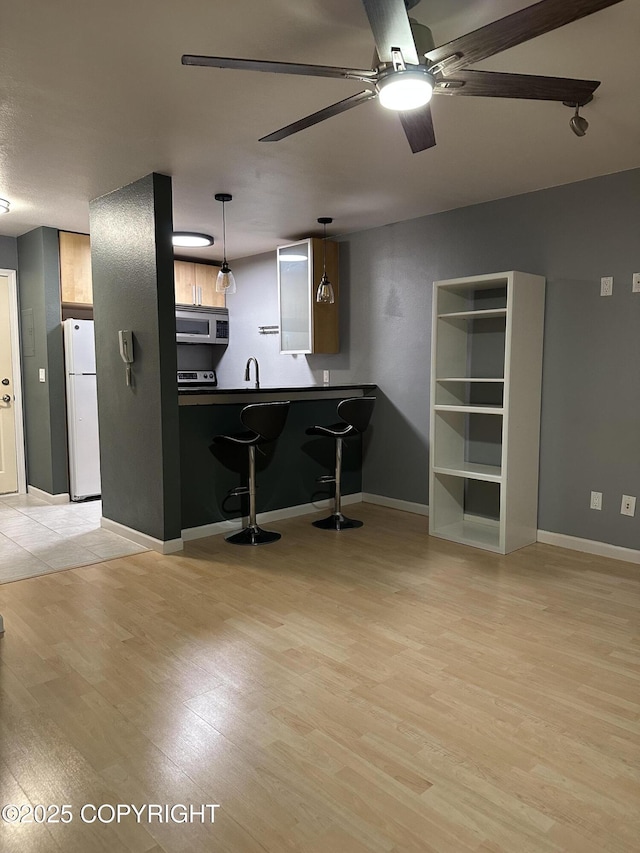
(225, 283)
(325, 290)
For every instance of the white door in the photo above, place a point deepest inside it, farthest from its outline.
(8, 458)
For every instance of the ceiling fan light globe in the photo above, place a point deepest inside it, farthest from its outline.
(405, 90)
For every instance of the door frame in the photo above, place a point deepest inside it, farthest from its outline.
(14, 328)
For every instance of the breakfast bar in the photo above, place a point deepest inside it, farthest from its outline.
(287, 469)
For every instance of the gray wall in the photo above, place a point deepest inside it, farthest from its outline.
(8, 253)
(44, 402)
(132, 268)
(572, 235)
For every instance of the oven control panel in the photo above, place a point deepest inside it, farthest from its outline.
(197, 377)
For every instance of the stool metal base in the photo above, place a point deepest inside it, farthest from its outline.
(253, 536)
(337, 521)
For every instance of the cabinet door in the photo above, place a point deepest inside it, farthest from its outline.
(185, 278)
(294, 296)
(75, 268)
(206, 277)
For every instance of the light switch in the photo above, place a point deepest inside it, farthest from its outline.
(41, 375)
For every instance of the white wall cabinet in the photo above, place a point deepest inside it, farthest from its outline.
(486, 373)
(307, 326)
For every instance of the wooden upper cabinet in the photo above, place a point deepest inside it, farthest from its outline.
(75, 268)
(185, 278)
(196, 284)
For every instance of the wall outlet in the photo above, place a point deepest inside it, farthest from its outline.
(326, 377)
(628, 505)
(596, 500)
(42, 376)
(635, 287)
(606, 285)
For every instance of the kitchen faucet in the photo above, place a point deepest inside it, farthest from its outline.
(246, 371)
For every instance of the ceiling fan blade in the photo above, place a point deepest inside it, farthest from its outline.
(515, 29)
(321, 115)
(492, 84)
(418, 128)
(280, 67)
(390, 25)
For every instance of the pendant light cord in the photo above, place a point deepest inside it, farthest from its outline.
(224, 235)
(324, 250)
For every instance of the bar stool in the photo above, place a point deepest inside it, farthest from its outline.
(355, 413)
(264, 422)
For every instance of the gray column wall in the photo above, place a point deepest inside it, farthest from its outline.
(8, 253)
(133, 288)
(572, 235)
(44, 402)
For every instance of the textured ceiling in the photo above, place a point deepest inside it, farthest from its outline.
(94, 97)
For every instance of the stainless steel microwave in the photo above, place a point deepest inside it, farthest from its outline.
(201, 325)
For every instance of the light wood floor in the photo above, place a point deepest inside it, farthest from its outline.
(375, 690)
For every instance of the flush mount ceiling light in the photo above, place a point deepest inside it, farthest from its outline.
(191, 239)
(325, 289)
(225, 283)
(4, 205)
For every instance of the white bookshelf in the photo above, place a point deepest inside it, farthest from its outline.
(486, 371)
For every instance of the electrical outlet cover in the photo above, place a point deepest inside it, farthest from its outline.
(606, 285)
(596, 500)
(628, 505)
(635, 288)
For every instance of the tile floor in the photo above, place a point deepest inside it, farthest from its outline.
(37, 538)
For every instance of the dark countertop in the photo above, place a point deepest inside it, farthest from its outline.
(271, 389)
(205, 395)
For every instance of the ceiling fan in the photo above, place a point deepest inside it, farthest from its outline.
(409, 68)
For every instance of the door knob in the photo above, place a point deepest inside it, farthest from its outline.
(6, 398)
(5, 381)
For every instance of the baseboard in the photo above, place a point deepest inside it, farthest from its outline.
(168, 547)
(233, 525)
(62, 498)
(395, 503)
(589, 546)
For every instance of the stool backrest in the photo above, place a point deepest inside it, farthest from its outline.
(356, 411)
(266, 419)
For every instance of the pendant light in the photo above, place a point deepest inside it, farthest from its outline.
(225, 283)
(325, 290)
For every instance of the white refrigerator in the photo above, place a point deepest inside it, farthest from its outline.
(82, 409)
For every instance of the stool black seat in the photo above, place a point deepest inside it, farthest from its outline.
(264, 422)
(355, 413)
